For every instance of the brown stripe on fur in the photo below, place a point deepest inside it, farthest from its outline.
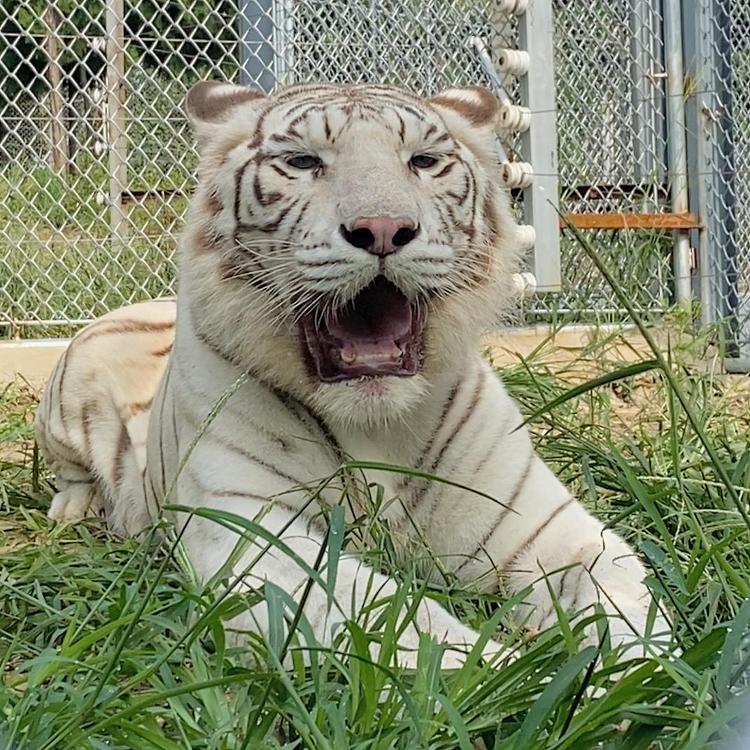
(60, 384)
(116, 327)
(213, 203)
(276, 168)
(531, 537)
(446, 169)
(420, 493)
(123, 443)
(238, 176)
(86, 410)
(489, 214)
(257, 138)
(163, 351)
(472, 189)
(461, 198)
(62, 451)
(457, 430)
(401, 128)
(309, 418)
(404, 481)
(265, 199)
(204, 239)
(132, 409)
(508, 504)
(237, 493)
(267, 465)
(468, 413)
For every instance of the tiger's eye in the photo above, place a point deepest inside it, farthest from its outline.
(304, 161)
(423, 161)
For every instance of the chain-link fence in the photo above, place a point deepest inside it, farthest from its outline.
(718, 66)
(97, 161)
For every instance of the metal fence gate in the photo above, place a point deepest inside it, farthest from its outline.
(650, 99)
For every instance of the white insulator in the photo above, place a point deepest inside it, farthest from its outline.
(507, 6)
(513, 117)
(519, 7)
(526, 236)
(524, 283)
(99, 43)
(101, 198)
(513, 62)
(516, 174)
(100, 148)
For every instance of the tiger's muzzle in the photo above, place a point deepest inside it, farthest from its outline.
(378, 333)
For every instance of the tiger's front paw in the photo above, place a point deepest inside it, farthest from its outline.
(74, 503)
(459, 640)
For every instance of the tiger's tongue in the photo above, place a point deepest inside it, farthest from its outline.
(370, 334)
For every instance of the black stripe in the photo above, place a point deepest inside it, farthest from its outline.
(507, 507)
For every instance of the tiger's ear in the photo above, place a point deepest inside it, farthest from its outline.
(474, 105)
(209, 103)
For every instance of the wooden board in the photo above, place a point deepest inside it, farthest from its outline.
(632, 221)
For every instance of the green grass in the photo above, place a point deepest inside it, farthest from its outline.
(112, 644)
(57, 259)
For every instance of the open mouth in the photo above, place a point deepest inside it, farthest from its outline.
(378, 333)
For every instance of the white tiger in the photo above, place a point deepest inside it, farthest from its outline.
(345, 247)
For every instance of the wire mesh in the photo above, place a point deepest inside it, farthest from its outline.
(61, 260)
(730, 120)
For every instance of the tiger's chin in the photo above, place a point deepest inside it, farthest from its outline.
(370, 401)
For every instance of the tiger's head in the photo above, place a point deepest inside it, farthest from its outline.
(347, 244)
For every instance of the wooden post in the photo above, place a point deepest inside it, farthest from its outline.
(116, 143)
(58, 134)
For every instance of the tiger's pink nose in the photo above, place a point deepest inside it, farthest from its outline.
(380, 235)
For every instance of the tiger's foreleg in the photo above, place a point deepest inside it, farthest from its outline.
(293, 556)
(536, 535)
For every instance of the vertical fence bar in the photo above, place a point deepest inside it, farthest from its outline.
(58, 132)
(257, 36)
(539, 142)
(284, 41)
(677, 148)
(711, 162)
(116, 137)
(642, 89)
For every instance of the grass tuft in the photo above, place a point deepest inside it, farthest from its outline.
(108, 643)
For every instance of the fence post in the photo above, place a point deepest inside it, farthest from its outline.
(539, 142)
(256, 33)
(58, 134)
(116, 143)
(711, 162)
(643, 88)
(677, 149)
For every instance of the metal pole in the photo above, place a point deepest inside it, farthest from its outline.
(257, 33)
(58, 135)
(677, 148)
(539, 143)
(711, 152)
(116, 138)
(643, 98)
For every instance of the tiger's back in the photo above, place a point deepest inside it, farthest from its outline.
(92, 421)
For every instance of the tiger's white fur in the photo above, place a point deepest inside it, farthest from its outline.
(262, 246)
